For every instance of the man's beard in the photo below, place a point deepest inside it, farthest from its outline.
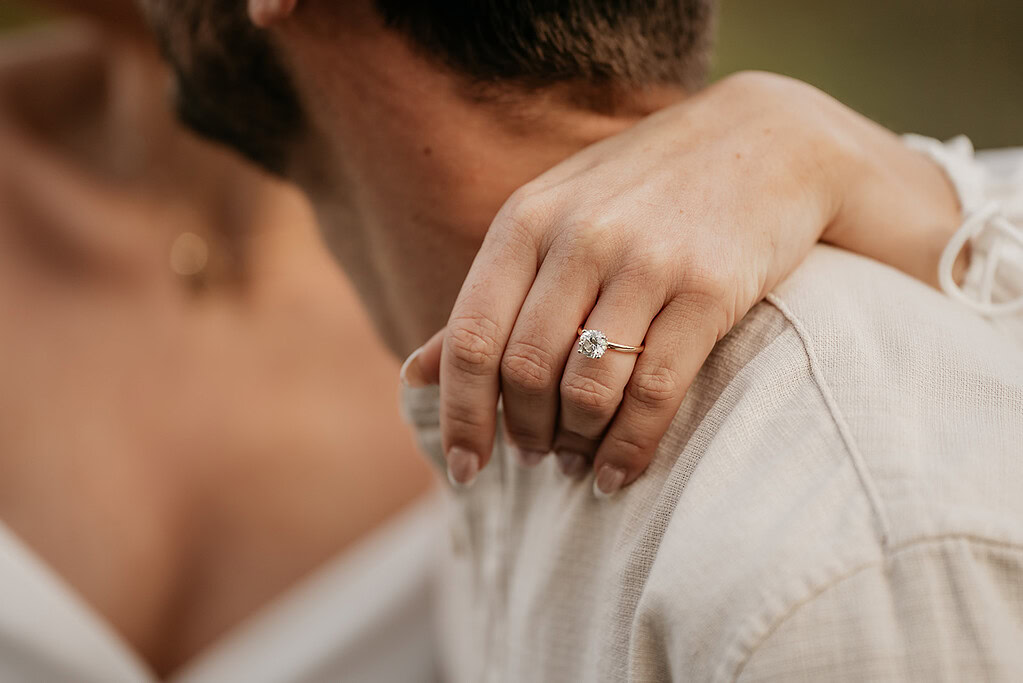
(231, 85)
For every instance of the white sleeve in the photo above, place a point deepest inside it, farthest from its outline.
(990, 190)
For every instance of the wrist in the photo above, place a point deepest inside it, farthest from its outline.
(896, 205)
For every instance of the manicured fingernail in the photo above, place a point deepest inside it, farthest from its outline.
(572, 465)
(463, 466)
(412, 372)
(528, 458)
(608, 481)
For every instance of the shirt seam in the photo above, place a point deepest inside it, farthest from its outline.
(890, 553)
(852, 449)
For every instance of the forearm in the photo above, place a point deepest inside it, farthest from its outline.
(895, 204)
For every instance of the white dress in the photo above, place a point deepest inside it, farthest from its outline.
(365, 617)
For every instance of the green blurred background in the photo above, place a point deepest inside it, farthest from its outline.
(938, 67)
(12, 14)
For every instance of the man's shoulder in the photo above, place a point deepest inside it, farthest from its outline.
(928, 395)
(852, 365)
(853, 413)
(864, 318)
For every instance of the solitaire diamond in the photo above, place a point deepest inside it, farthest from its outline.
(592, 343)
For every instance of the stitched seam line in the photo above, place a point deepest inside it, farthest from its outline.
(853, 451)
(637, 570)
(888, 556)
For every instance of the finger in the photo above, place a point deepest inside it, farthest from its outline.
(678, 343)
(591, 389)
(422, 367)
(477, 332)
(541, 342)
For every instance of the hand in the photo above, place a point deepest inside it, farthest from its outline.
(666, 234)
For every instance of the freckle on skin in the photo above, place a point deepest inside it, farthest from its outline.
(427, 151)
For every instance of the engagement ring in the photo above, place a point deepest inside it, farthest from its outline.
(594, 344)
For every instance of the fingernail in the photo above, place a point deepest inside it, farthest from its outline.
(463, 466)
(572, 464)
(608, 481)
(412, 372)
(528, 458)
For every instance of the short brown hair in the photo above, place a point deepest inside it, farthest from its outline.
(544, 42)
(232, 87)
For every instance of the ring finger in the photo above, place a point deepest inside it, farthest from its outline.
(591, 388)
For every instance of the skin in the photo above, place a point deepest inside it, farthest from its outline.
(715, 199)
(407, 176)
(759, 169)
(163, 435)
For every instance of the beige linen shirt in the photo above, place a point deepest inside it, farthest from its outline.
(839, 498)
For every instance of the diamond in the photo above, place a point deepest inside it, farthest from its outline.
(592, 343)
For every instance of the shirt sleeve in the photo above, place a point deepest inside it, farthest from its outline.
(990, 190)
(943, 609)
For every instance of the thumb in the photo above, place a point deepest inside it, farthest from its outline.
(422, 368)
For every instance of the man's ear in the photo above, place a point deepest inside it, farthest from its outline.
(265, 13)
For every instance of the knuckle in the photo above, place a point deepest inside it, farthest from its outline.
(473, 343)
(588, 395)
(627, 449)
(587, 235)
(706, 278)
(705, 289)
(658, 261)
(525, 211)
(709, 300)
(587, 243)
(528, 368)
(583, 265)
(649, 270)
(463, 419)
(523, 200)
(526, 437)
(655, 388)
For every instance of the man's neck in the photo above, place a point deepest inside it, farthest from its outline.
(407, 230)
(412, 171)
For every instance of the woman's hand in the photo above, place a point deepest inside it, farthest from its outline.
(666, 234)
